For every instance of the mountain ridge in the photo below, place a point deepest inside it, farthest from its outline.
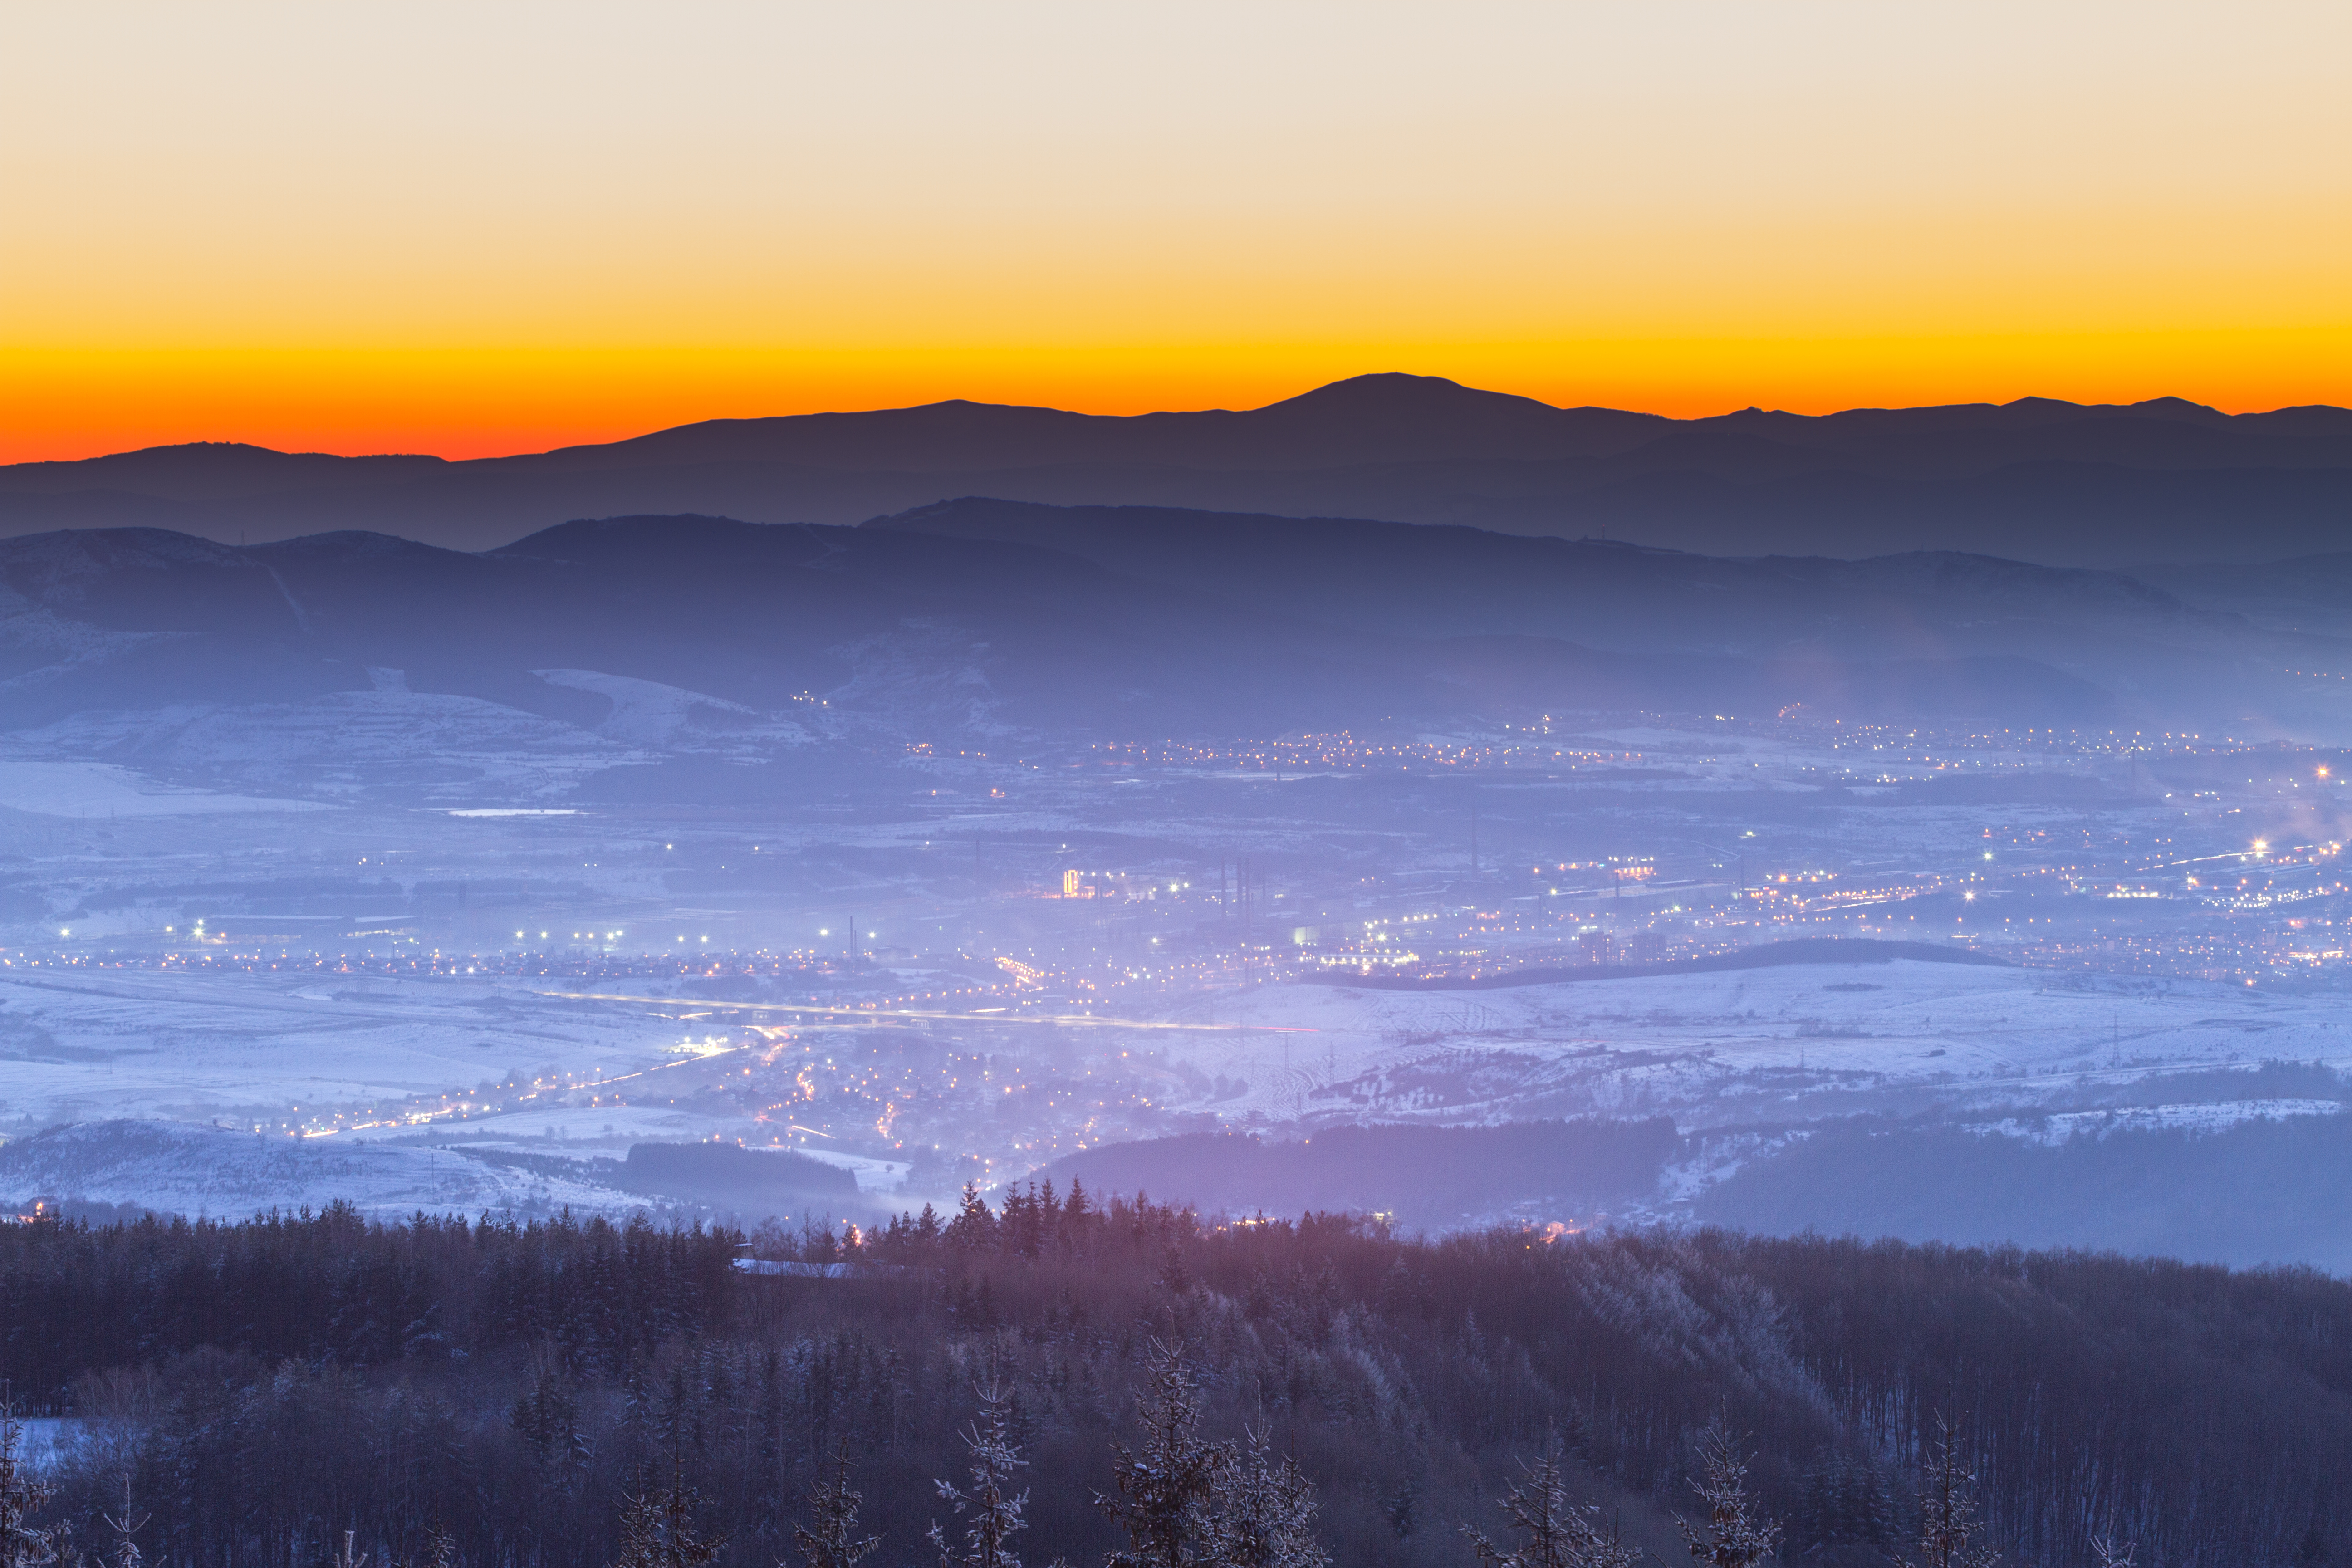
(2040, 479)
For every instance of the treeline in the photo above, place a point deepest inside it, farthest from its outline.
(1432, 1178)
(497, 1393)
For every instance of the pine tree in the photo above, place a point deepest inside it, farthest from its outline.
(974, 1226)
(657, 1529)
(1264, 1514)
(995, 1516)
(1733, 1536)
(1558, 1533)
(830, 1540)
(1947, 1512)
(1168, 1492)
(547, 1416)
(21, 1495)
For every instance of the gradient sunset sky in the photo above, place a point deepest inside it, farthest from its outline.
(482, 228)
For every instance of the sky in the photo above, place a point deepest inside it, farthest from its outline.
(481, 228)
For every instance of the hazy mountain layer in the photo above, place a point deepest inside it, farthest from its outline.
(991, 618)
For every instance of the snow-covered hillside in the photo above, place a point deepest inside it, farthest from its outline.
(179, 1168)
(1802, 1040)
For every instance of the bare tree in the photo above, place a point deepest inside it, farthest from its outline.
(830, 1540)
(2104, 1548)
(1558, 1533)
(994, 1512)
(1948, 1510)
(1733, 1536)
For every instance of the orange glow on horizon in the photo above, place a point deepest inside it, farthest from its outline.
(474, 230)
(456, 404)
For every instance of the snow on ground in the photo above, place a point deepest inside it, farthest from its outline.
(46, 1441)
(177, 1168)
(2206, 1116)
(873, 1175)
(1749, 1048)
(347, 742)
(576, 1131)
(1799, 1040)
(103, 790)
(648, 713)
(81, 1043)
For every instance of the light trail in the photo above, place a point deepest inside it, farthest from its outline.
(1068, 1020)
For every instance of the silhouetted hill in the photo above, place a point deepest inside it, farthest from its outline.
(2036, 479)
(211, 470)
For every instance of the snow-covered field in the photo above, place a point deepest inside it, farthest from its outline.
(1759, 1044)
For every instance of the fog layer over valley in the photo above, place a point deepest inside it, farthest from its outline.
(1435, 873)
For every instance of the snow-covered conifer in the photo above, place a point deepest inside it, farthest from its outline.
(657, 1529)
(993, 1511)
(1733, 1535)
(1558, 1533)
(21, 1495)
(1948, 1525)
(1169, 1489)
(830, 1538)
(1264, 1515)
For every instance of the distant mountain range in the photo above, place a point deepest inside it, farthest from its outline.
(1000, 618)
(2051, 482)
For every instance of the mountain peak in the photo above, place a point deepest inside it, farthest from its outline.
(1397, 393)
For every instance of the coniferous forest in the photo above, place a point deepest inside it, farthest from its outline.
(1057, 1379)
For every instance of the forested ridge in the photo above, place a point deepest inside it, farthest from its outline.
(496, 1393)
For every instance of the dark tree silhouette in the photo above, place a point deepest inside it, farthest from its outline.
(1167, 1488)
